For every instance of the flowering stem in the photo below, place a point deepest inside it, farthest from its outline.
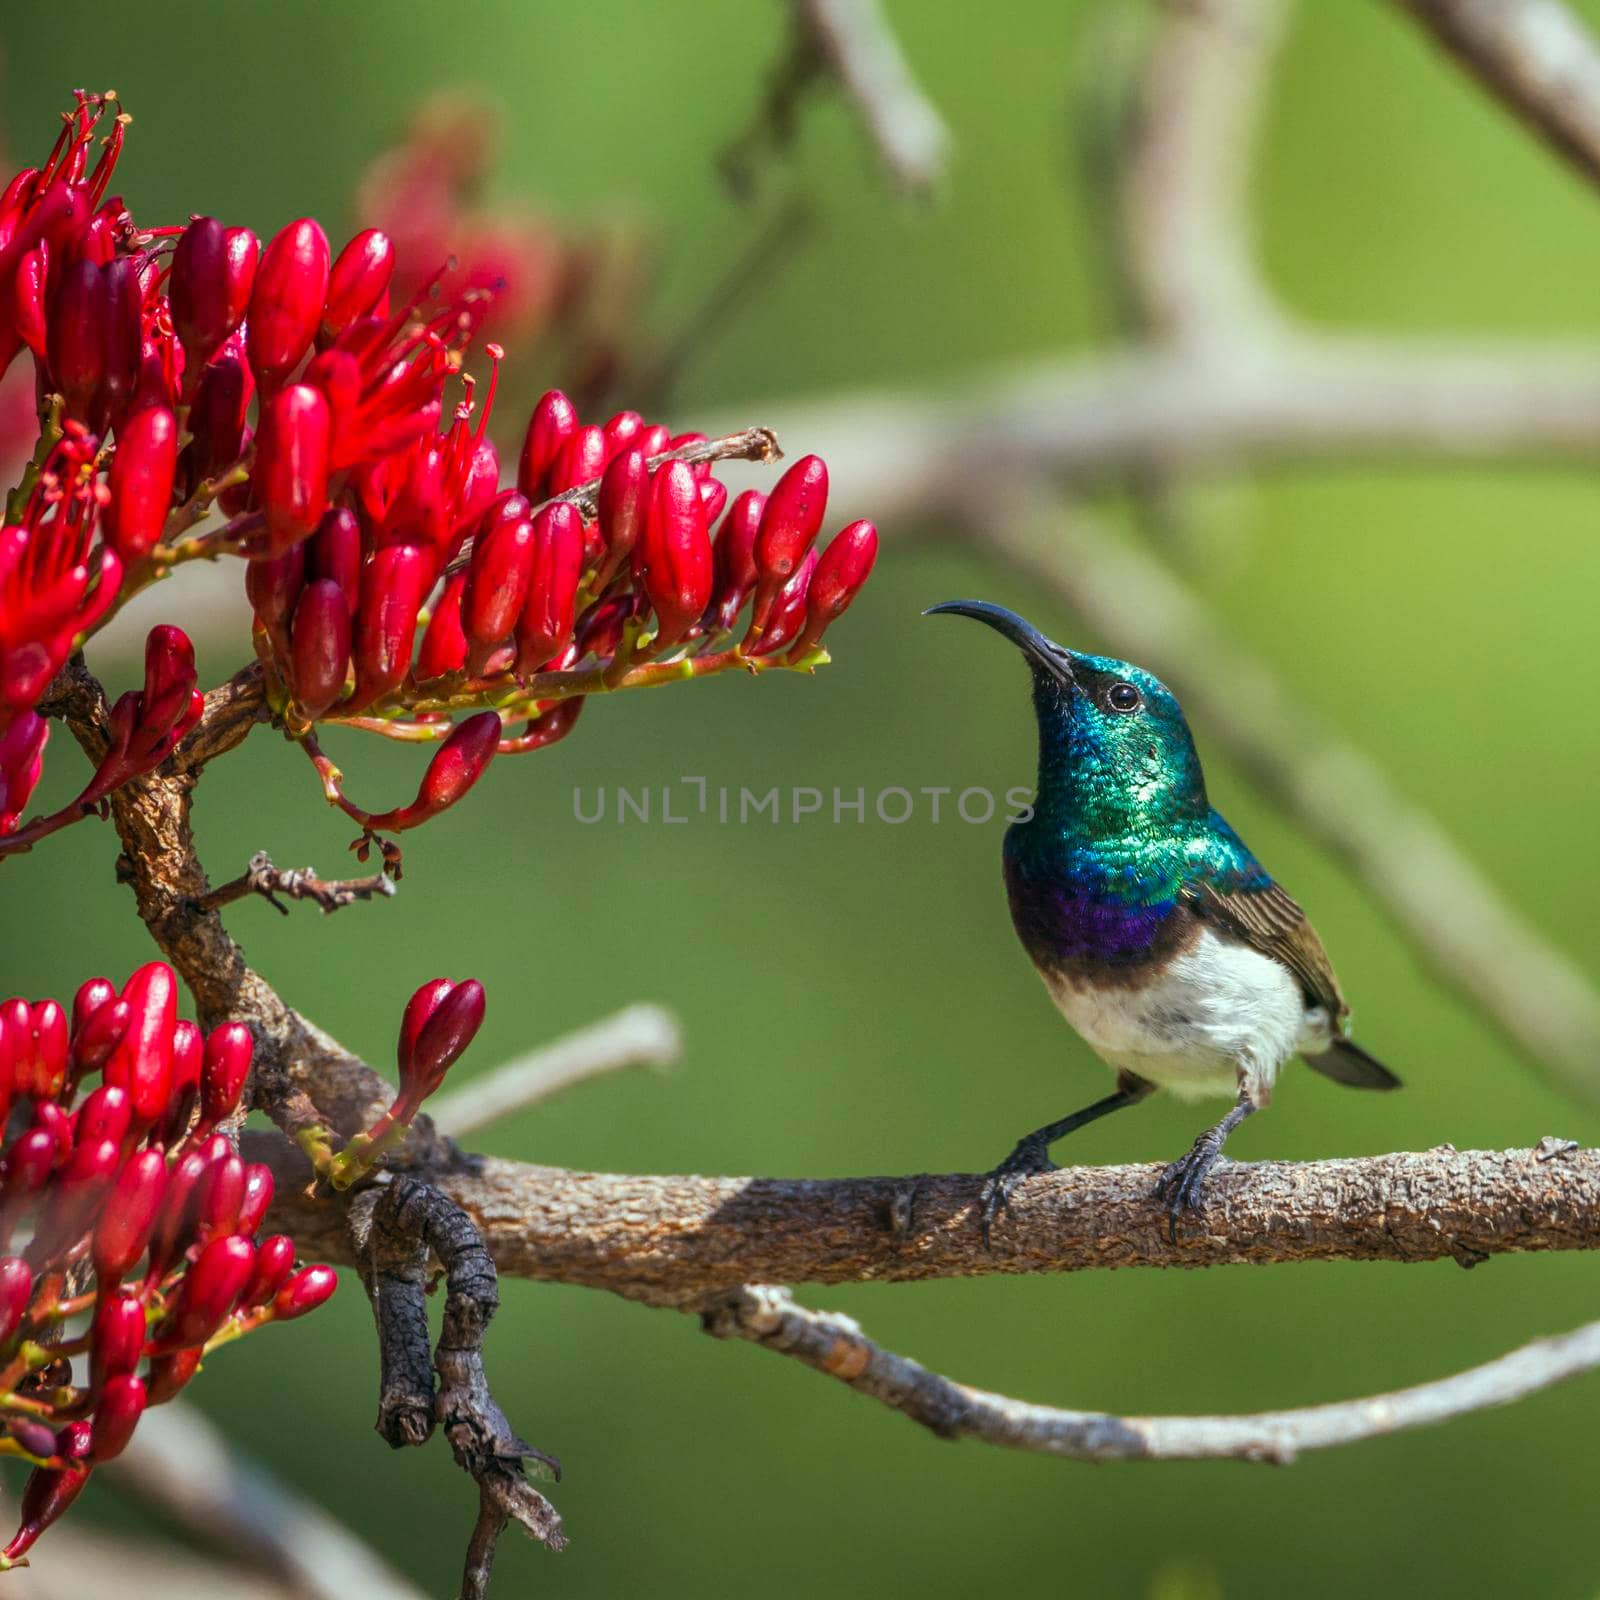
(515, 699)
(49, 438)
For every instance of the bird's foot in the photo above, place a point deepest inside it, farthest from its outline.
(1028, 1160)
(1179, 1187)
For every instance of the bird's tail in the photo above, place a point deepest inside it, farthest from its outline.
(1346, 1062)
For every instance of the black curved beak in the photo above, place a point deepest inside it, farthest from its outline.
(1043, 653)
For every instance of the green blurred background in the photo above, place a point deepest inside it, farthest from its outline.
(852, 995)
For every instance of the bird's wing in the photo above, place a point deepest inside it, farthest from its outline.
(1270, 921)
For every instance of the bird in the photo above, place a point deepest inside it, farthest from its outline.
(1162, 940)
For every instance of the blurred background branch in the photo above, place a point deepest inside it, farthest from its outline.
(1536, 57)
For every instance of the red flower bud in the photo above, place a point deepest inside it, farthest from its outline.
(320, 646)
(582, 460)
(187, 1052)
(286, 303)
(168, 1374)
(599, 630)
(142, 1062)
(92, 994)
(304, 1292)
(734, 556)
(49, 1048)
(654, 440)
(789, 527)
(141, 482)
(553, 422)
(30, 297)
(257, 1197)
(77, 336)
(29, 1163)
(449, 1029)
(74, 1199)
(55, 1121)
(116, 1336)
(621, 431)
(102, 1032)
(673, 561)
(291, 473)
(229, 1047)
(272, 585)
(116, 1416)
(444, 646)
(105, 1114)
(548, 728)
(16, 1295)
(50, 1490)
(217, 419)
(394, 585)
(169, 682)
(21, 762)
(497, 579)
(547, 614)
(788, 613)
(123, 314)
(841, 571)
(218, 1196)
(175, 1217)
(623, 505)
(16, 1048)
(274, 1263)
(130, 1217)
(459, 762)
(335, 552)
(422, 1005)
(209, 1291)
(213, 270)
(713, 496)
(359, 280)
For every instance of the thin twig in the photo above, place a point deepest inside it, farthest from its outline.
(180, 1462)
(297, 883)
(860, 48)
(640, 1036)
(849, 40)
(834, 1344)
(740, 444)
(1536, 57)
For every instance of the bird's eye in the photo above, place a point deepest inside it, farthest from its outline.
(1123, 697)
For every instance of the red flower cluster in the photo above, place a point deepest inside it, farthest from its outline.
(131, 1181)
(196, 369)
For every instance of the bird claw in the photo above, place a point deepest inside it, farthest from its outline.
(1179, 1187)
(1026, 1161)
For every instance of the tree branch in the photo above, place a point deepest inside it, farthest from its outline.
(1536, 58)
(678, 1240)
(835, 1345)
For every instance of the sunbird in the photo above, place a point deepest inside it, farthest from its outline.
(1162, 940)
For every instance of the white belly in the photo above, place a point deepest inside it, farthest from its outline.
(1220, 1016)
